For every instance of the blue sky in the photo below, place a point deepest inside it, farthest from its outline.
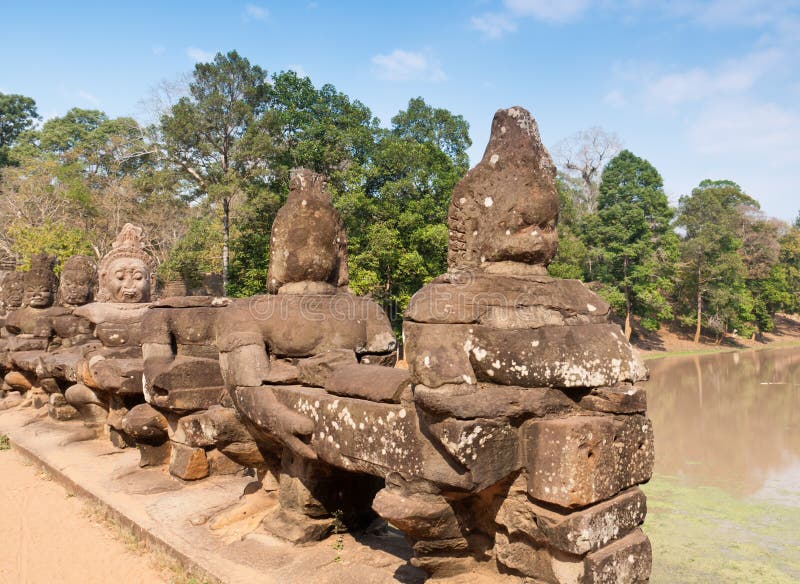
(702, 89)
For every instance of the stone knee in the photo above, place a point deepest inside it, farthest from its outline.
(92, 409)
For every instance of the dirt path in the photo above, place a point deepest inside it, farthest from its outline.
(47, 535)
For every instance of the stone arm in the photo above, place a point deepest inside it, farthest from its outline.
(245, 365)
(157, 343)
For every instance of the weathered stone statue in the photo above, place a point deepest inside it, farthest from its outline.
(282, 349)
(72, 335)
(110, 377)
(29, 327)
(184, 390)
(527, 388)
(12, 289)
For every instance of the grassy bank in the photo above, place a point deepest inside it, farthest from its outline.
(703, 534)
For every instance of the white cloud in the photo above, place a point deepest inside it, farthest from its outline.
(548, 10)
(615, 98)
(85, 95)
(699, 84)
(493, 25)
(745, 13)
(199, 55)
(255, 12)
(764, 133)
(402, 65)
(158, 50)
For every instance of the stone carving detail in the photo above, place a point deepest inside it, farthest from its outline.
(518, 381)
(279, 352)
(127, 273)
(109, 374)
(506, 208)
(308, 244)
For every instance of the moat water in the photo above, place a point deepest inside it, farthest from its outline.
(725, 497)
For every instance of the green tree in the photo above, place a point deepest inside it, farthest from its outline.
(712, 272)
(203, 133)
(572, 253)
(397, 220)
(17, 114)
(631, 235)
(301, 126)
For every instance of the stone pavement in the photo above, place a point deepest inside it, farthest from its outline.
(174, 516)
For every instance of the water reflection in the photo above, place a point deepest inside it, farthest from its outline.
(729, 420)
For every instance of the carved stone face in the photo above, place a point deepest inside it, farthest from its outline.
(128, 280)
(13, 290)
(76, 288)
(38, 297)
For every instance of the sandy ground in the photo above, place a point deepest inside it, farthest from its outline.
(48, 536)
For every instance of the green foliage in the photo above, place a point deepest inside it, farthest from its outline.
(50, 238)
(17, 115)
(712, 272)
(631, 236)
(198, 253)
(5, 443)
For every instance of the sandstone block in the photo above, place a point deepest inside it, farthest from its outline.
(421, 516)
(146, 424)
(488, 400)
(188, 463)
(625, 561)
(573, 462)
(624, 399)
(592, 355)
(370, 382)
(153, 455)
(578, 532)
(315, 370)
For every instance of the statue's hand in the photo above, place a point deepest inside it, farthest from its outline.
(260, 405)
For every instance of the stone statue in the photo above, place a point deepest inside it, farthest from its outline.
(29, 327)
(313, 231)
(506, 226)
(127, 274)
(528, 389)
(110, 376)
(292, 342)
(12, 289)
(184, 390)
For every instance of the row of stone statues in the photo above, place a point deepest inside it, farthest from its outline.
(512, 444)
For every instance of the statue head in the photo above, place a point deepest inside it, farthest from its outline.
(40, 282)
(127, 273)
(12, 290)
(505, 209)
(308, 243)
(78, 281)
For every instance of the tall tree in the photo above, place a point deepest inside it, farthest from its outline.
(17, 114)
(712, 271)
(202, 133)
(581, 158)
(397, 225)
(632, 235)
(78, 180)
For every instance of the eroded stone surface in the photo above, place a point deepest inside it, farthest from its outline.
(573, 462)
(506, 207)
(187, 463)
(626, 561)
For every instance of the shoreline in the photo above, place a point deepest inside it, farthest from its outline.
(704, 349)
